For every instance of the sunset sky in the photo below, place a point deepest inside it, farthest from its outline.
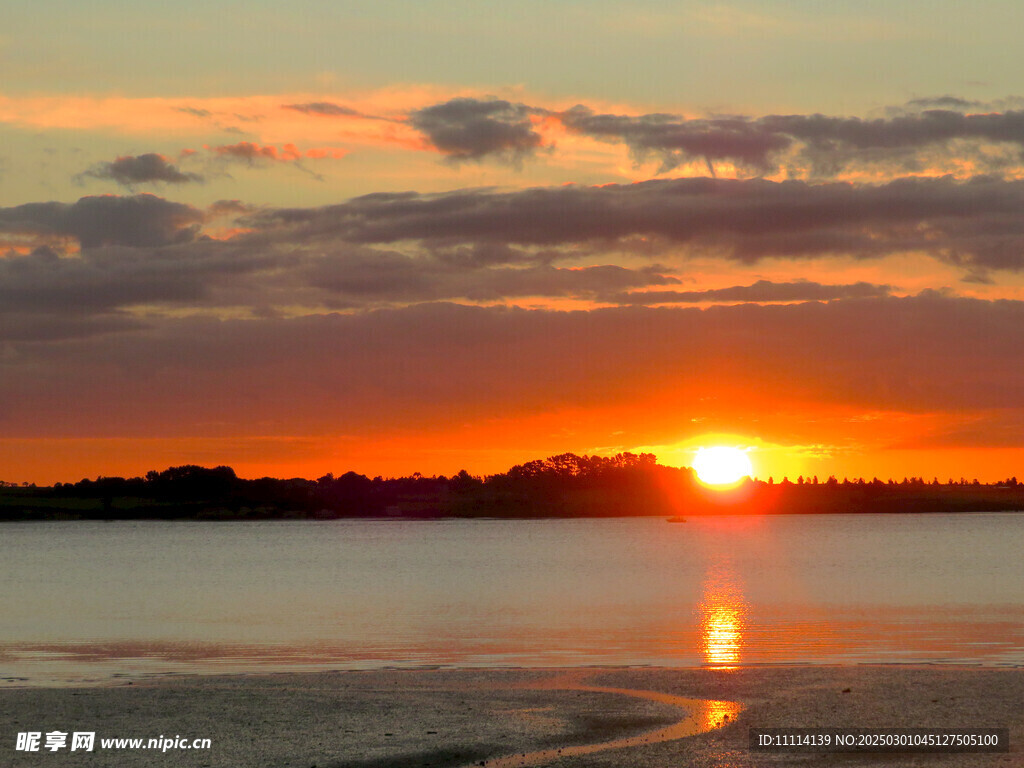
(393, 237)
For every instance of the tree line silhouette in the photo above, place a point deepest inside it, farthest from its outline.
(566, 485)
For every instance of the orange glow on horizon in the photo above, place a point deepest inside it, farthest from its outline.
(489, 446)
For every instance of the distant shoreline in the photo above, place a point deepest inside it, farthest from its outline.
(214, 516)
(565, 486)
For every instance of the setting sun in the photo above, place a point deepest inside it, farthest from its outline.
(721, 465)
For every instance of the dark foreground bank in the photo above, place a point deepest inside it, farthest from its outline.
(438, 718)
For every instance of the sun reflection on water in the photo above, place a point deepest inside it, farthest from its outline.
(716, 714)
(723, 611)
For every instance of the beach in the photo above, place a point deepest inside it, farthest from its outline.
(458, 717)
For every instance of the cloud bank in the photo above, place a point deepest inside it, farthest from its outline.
(975, 224)
(413, 367)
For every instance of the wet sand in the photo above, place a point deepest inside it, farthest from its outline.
(645, 717)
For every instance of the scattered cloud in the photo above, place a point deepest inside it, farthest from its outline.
(194, 111)
(930, 135)
(944, 102)
(251, 153)
(254, 155)
(324, 108)
(150, 168)
(474, 129)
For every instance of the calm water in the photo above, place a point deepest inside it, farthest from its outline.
(87, 601)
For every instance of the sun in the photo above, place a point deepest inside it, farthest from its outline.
(721, 465)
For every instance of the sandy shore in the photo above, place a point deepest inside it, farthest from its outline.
(450, 718)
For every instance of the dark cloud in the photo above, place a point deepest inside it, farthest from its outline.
(473, 129)
(486, 246)
(911, 137)
(324, 108)
(149, 168)
(100, 282)
(934, 126)
(675, 141)
(829, 143)
(491, 255)
(761, 291)
(975, 224)
(368, 276)
(158, 261)
(139, 220)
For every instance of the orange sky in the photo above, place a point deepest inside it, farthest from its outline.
(407, 264)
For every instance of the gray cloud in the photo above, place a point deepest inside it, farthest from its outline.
(674, 141)
(472, 129)
(143, 252)
(101, 283)
(486, 246)
(490, 254)
(933, 126)
(365, 275)
(139, 220)
(956, 104)
(944, 102)
(46, 296)
(149, 168)
(975, 224)
(829, 143)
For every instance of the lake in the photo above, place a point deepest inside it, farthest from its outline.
(89, 601)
